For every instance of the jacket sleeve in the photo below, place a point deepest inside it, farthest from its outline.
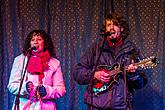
(57, 89)
(83, 70)
(138, 79)
(16, 76)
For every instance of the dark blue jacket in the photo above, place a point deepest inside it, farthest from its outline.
(119, 95)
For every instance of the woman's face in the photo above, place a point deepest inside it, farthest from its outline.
(38, 42)
(112, 28)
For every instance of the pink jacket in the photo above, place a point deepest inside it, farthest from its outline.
(53, 82)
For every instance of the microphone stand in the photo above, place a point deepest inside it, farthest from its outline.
(125, 85)
(97, 62)
(17, 101)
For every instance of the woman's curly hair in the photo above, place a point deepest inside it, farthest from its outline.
(118, 20)
(48, 44)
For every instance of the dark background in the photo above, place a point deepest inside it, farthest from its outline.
(74, 25)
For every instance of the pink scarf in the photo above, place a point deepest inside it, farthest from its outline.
(38, 62)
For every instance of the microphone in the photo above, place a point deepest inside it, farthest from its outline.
(105, 34)
(34, 48)
(29, 51)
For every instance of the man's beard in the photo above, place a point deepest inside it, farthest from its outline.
(113, 40)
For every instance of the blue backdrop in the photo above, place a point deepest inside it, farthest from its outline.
(74, 25)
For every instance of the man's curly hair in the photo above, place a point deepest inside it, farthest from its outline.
(118, 20)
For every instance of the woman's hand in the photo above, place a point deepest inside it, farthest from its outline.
(29, 86)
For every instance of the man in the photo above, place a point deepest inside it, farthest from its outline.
(107, 67)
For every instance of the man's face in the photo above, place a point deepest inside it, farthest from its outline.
(112, 28)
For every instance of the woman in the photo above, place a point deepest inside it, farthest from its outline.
(43, 81)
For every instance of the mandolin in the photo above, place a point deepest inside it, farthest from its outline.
(100, 87)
